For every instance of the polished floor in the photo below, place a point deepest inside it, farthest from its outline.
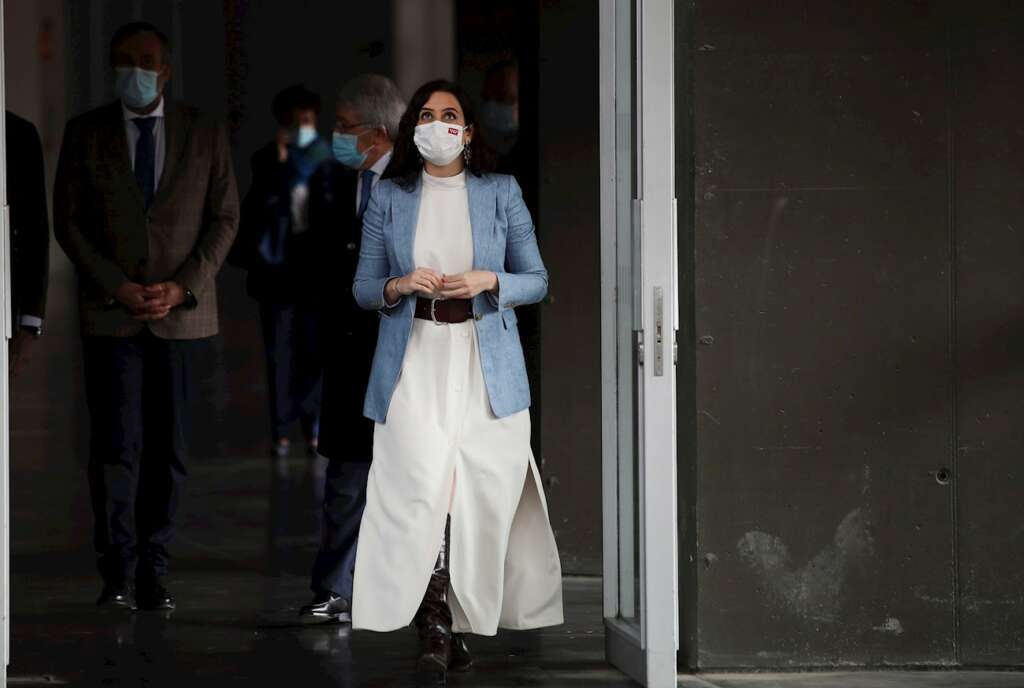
(248, 534)
(249, 529)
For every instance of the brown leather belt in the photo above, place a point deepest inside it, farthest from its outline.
(449, 311)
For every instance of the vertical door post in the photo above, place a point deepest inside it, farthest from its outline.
(658, 265)
(5, 406)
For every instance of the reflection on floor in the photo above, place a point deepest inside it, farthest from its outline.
(236, 626)
(248, 533)
(247, 538)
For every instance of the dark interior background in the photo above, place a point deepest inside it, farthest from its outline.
(859, 304)
(230, 58)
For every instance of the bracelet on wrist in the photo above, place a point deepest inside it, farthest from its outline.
(391, 292)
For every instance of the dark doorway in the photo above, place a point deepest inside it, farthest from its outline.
(249, 532)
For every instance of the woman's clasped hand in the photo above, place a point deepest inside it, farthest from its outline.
(430, 284)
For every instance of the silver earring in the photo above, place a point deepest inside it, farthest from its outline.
(467, 154)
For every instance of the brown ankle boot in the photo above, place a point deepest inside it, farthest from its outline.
(434, 618)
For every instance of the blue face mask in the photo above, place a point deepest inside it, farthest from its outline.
(499, 118)
(346, 150)
(304, 135)
(137, 88)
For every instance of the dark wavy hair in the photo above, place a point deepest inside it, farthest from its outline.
(293, 98)
(406, 164)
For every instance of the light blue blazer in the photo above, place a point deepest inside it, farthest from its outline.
(503, 242)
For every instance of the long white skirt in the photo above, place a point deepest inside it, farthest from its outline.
(440, 431)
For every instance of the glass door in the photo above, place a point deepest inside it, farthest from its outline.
(622, 329)
(5, 408)
(639, 321)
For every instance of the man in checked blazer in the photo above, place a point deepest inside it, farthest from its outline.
(146, 207)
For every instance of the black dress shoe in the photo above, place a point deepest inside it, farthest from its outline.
(461, 659)
(152, 596)
(327, 607)
(116, 596)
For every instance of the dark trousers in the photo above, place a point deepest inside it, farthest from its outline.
(344, 500)
(294, 368)
(137, 393)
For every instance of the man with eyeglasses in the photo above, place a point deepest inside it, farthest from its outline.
(368, 110)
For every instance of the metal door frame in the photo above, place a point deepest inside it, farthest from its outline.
(646, 651)
(5, 407)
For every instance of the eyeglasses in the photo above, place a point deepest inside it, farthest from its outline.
(346, 129)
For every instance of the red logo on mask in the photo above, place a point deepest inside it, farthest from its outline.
(453, 131)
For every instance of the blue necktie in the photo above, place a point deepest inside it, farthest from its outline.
(364, 196)
(145, 159)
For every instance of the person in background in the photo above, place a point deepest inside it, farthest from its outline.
(30, 237)
(275, 247)
(368, 110)
(146, 208)
(455, 536)
(499, 108)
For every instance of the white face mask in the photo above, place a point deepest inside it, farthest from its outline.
(438, 142)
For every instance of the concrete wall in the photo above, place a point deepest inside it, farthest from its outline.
(33, 47)
(858, 301)
(34, 54)
(423, 41)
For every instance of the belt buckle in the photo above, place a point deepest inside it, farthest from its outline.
(433, 312)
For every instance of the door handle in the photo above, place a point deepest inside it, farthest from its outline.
(659, 331)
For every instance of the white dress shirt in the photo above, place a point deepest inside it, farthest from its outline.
(377, 169)
(159, 138)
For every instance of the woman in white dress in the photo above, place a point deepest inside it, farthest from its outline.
(455, 536)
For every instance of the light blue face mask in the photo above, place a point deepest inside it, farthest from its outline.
(304, 135)
(346, 150)
(137, 88)
(499, 118)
